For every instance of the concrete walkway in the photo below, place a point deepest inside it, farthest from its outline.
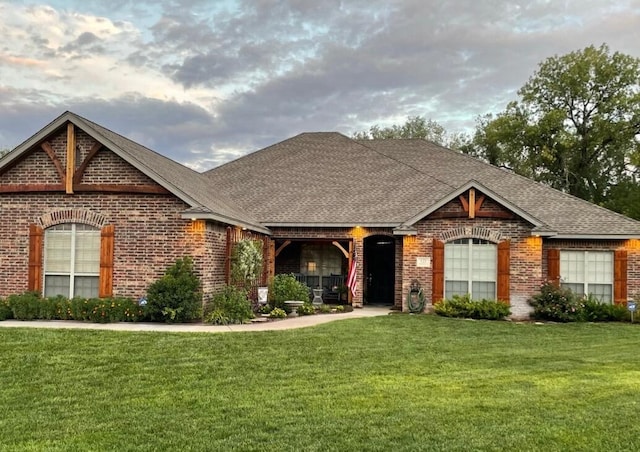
(284, 324)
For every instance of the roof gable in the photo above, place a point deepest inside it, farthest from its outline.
(190, 186)
(472, 184)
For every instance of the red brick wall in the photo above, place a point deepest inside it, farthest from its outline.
(149, 231)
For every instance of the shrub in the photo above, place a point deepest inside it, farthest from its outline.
(25, 306)
(595, 311)
(230, 305)
(306, 309)
(556, 304)
(176, 297)
(5, 310)
(286, 287)
(246, 262)
(325, 308)
(465, 307)
(265, 309)
(278, 313)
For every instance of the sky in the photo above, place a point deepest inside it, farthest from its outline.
(206, 81)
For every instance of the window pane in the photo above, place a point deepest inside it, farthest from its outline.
(600, 267)
(603, 292)
(56, 285)
(456, 262)
(58, 251)
(87, 252)
(572, 266)
(576, 288)
(452, 288)
(482, 289)
(85, 286)
(484, 263)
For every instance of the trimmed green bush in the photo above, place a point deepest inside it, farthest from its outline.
(5, 310)
(25, 306)
(306, 309)
(465, 307)
(285, 287)
(30, 306)
(230, 305)
(176, 297)
(556, 304)
(595, 311)
(277, 313)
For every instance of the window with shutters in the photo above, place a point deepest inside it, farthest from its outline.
(470, 267)
(71, 260)
(588, 272)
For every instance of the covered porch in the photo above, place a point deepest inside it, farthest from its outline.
(318, 263)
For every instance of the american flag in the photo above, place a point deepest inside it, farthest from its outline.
(352, 282)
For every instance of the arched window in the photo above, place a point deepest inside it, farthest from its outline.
(71, 260)
(470, 267)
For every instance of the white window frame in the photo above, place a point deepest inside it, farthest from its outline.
(584, 280)
(470, 267)
(72, 273)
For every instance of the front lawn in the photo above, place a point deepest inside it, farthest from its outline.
(391, 383)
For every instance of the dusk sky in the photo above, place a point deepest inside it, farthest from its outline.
(204, 82)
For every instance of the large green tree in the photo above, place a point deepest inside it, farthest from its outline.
(575, 127)
(414, 127)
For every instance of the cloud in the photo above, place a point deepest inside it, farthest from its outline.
(205, 81)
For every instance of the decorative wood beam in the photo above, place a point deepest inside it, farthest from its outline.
(71, 157)
(77, 175)
(340, 247)
(46, 147)
(479, 202)
(283, 246)
(481, 214)
(30, 188)
(465, 204)
(121, 188)
(472, 203)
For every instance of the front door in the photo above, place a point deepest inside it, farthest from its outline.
(379, 269)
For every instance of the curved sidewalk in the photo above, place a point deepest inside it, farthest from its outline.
(284, 324)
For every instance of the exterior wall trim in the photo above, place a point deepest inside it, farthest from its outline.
(72, 216)
(475, 232)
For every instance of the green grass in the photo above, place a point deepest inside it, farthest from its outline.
(391, 383)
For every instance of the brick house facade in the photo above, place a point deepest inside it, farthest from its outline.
(406, 211)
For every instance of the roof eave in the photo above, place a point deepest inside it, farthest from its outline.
(329, 225)
(191, 215)
(595, 236)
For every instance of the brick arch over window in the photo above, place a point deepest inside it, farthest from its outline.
(72, 216)
(503, 270)
(107, 239)
(469, 232)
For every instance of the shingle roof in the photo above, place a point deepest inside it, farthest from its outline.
(192, 187)
(329, 179)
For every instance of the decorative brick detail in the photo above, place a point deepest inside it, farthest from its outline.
(472, 232)
(72, 216)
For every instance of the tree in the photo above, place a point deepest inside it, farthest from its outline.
(4, 152)
(414, 127)
(575, 127)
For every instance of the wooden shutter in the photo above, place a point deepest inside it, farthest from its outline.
(437, 264)
(553, 266)
(504, 270)
(620, 276)
(105, 283)
(35, 258)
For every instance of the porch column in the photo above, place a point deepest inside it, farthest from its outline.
(357, 245)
